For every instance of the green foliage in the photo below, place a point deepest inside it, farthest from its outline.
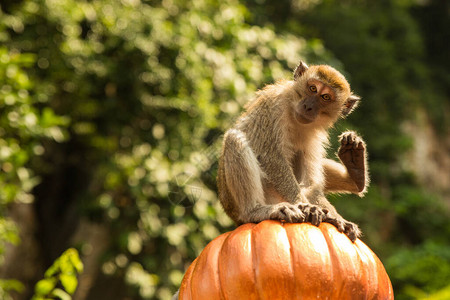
(22, 124)
(63, 273)
(424, 268)
(442, 294)
(9, 285)
(8, 234)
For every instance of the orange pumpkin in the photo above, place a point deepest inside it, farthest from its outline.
(274, 260)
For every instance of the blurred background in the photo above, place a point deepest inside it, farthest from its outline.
(111, 116)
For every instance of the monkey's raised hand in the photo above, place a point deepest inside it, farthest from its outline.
(352, 153)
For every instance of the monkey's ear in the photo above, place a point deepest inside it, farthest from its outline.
(350, 104)
(301, 68)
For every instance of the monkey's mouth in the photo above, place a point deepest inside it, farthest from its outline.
(303, 119)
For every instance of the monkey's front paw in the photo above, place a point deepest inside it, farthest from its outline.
(352, 153)
(287, 212)
(313, 213)
(350, 229)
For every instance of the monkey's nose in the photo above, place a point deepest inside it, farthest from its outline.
(307, 108)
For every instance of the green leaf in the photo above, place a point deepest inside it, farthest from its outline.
(69, 282)
(75, 260)
(45, 286)
(61, 294)
(53, 269)
(65, 265)
(11, 285)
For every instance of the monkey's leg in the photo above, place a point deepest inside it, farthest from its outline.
(244, 196)
(337, 179)
(353, 155)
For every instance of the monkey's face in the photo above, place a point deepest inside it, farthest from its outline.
(322, 95)
(318, 102)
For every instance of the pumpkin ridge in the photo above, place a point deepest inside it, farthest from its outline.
(227, 263)
(369, 278)
(185, 288)
(333, 258)
(364, 279)
(291, 265)
(221, 293)
(274, 270)
(190, 279)
(254, 259)
(205, 262)
(291, 249)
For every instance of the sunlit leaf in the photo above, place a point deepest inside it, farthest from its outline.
(61, 294)
(69, 282)
(45, 286)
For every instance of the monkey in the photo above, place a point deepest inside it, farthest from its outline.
(273, 161)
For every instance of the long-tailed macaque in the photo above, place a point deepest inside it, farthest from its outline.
(273, 163)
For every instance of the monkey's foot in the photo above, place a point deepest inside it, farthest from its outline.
(352, 153)
(350, 229)
(287, 212)
(313, 213)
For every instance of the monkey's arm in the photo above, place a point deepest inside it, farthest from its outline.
(280, 173)
(352, 175)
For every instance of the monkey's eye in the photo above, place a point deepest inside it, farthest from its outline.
(326, 97)
(313, 89)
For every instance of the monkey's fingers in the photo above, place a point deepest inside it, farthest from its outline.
(337, 223)
(359, 145)
(344, 138)
(352, 231)
(351, 138)
(297, 215)
(285, 215)
(351, 235)
(301, 218)
(346, 145)
(314, 216)
(355, 138)
(347, 137)
(288, 212)
(279, 214)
